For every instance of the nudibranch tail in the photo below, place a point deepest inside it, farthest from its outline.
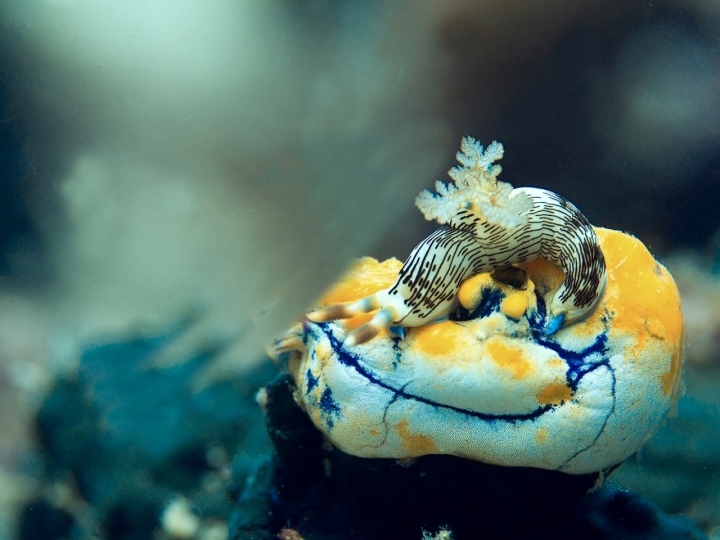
(486, 225)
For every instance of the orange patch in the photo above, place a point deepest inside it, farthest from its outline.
(641, 292)
(509, 358)
(593, 324)
(515, 305)
(670, 378)
(554, 394)
(471, 290)
(541, 435)
(323, 354)
(365, 276)
(439, 339)
(414, 443)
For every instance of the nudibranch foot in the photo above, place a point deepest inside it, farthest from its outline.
(554, 324)
(486, 226)
(399, 331)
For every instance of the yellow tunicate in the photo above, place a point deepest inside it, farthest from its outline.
(646, 302)
(490, 385)
(515, 305)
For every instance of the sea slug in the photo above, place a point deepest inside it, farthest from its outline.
(486, 225)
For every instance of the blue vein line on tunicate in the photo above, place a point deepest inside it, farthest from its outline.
(575, 360)
(602, 429)
(353, 362)
(574, 375)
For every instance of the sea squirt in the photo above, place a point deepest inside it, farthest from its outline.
(490, 383)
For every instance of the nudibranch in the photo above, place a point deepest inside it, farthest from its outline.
(486, 225)
(490, 383)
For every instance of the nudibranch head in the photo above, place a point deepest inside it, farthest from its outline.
(489, 384)
(477, 189)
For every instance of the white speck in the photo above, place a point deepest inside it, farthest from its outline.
(178, 520)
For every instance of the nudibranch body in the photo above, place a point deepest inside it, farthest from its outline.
(489, 384)
(486, 225)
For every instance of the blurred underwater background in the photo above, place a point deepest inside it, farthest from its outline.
(179, 180)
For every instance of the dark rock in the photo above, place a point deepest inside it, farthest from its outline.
(40, 519)
(323, 493)
(132, 436)
(623, 514)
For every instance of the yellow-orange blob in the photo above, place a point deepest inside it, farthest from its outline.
(471, 290)
(646, 300)
(509, 358)
(323, 354)
(515, 305)
(440, 338)
(671, 379)
(365, 277)
(415, 443)
(554, 394)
